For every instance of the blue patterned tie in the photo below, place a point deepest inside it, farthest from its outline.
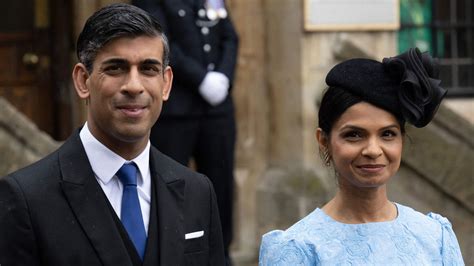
(131, 214)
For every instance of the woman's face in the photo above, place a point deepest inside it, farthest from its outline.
(365, 144)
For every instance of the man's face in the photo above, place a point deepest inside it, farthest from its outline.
(126, 90)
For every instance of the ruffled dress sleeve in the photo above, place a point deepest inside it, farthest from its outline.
(450, 251)
(280, 249)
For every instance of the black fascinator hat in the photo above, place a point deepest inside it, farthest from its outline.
(405, 85)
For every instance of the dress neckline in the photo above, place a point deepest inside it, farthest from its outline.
(399, 217)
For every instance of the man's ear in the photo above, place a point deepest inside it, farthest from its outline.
(79, 77)
(168, 82)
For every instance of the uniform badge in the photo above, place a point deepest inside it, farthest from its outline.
(215, 9)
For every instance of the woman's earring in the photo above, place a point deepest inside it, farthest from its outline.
(327, 158)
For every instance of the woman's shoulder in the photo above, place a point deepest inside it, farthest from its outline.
(307, 227)
(279, 248)
(430, 227)
(431, 219)
(294, 246)
(439, 227)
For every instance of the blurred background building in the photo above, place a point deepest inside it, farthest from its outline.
(287, 47)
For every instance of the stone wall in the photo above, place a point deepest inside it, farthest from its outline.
(21, 142)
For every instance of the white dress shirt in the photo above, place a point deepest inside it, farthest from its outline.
(105, 163)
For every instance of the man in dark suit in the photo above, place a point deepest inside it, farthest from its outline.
(106, 196)
(198, 120)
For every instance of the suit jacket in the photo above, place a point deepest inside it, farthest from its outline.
(54, 212)
(188, 33)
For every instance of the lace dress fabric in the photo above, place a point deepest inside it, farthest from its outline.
(411, 239)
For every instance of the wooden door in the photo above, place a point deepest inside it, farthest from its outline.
(25, 60)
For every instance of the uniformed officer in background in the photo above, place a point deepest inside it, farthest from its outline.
(198, 120)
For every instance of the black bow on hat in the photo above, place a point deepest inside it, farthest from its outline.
(420, 92)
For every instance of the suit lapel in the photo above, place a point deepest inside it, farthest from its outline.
(170, 203)
(89, 204)
(152, 253)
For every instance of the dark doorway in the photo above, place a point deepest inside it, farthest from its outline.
(34, 51)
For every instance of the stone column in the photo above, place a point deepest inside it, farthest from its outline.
(252, 111)
(290, 186)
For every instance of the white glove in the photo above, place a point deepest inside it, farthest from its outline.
(214, 88)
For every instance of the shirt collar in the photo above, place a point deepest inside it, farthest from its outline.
(105, 163)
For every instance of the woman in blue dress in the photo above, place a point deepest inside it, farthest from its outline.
(362, 120)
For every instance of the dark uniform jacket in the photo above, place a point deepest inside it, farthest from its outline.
(198, 45)
(54, 212)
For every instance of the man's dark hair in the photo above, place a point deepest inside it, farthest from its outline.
(116, 21)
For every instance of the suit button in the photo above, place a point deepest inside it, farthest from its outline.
(181, 13)
(202, 13)
(210, 67)
(207, 48)
(205, 30)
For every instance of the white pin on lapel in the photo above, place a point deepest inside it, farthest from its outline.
(194, 235)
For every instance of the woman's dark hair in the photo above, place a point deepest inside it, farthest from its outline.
(335, 102)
